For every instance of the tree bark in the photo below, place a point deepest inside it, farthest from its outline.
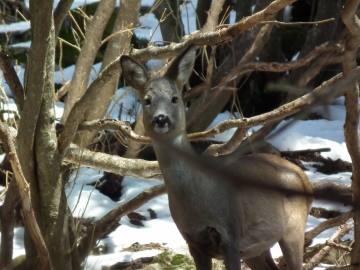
(37, 146)
(7, 225)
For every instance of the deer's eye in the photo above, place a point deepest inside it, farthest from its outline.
(175, 100)
(147, 101)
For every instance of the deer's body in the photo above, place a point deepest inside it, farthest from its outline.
(218, 219)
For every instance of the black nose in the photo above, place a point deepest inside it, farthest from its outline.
(161, 120)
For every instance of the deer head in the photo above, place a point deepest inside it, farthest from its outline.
(163, 107)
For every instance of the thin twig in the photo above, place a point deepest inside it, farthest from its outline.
(332, 243)
(127, 29)
(298, 23)
(211, 38)
(77, 25)
(68, 43)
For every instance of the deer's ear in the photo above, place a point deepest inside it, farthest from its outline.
(134, 73)
(182, 66)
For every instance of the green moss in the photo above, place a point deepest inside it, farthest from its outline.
(172, 261)
(178, 259)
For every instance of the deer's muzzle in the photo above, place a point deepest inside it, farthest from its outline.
(161, 123)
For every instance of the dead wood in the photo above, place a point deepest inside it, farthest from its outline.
(316, 259)
(109, 222)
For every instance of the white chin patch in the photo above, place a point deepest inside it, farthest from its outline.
(161, 130)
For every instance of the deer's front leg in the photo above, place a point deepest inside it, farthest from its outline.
(202, 261)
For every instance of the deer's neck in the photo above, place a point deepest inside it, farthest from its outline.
(171, 155)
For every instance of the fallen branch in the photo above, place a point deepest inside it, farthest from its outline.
(110, 221)
(305, 151)
(345, 267)
(327, 224)
(333, 244)
(340, 232)
(135, 264)
(320, 212)
(344, 190)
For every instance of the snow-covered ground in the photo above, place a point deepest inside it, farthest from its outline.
(88, 202)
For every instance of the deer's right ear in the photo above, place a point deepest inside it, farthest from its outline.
(134, 73)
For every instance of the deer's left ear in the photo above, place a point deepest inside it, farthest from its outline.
(182, 66)
(134, 73)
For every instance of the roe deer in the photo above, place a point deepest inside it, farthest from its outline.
(216, 219)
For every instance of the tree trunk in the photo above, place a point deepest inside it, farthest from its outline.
(37, 145)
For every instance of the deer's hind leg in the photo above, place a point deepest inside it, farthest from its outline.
(292, 246)
(262, 262)
(231, 256)
(202, 261)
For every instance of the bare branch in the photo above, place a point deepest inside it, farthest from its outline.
(298, 23)
(113, 124)
(88, 100)
(86, 58)
(277, 114)
(340, 232)
(254, 50)
(12, 80)
(137, 168)
(211, 38)
(213, 16)
(229, 146)
(127, 15)
(333, 244)
(270, 67)
(62, 91)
